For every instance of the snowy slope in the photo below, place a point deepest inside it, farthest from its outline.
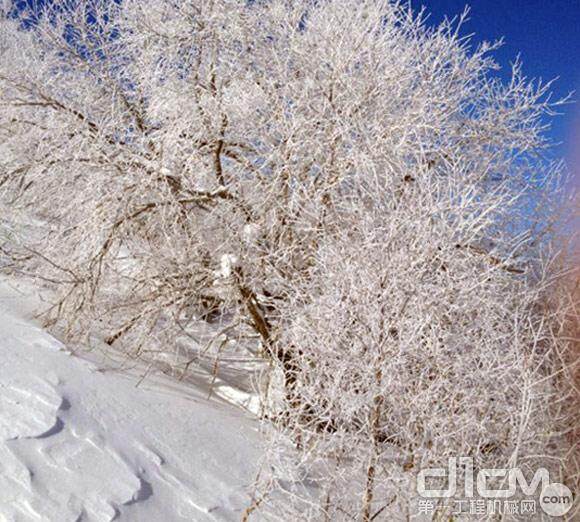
(81, 444)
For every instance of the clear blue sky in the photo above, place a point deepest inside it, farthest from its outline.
(546, 34)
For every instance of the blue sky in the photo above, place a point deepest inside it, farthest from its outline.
(546, 34)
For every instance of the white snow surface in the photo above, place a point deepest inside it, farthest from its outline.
(81, 442)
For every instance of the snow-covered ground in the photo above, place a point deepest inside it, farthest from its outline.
(80, 441)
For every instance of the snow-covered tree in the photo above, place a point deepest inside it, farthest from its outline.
(355, 190)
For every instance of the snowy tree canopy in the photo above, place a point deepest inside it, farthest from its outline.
(352, 193)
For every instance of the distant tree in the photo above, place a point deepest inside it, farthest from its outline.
(354, 189)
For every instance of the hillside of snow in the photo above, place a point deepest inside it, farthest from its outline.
(80, 441)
